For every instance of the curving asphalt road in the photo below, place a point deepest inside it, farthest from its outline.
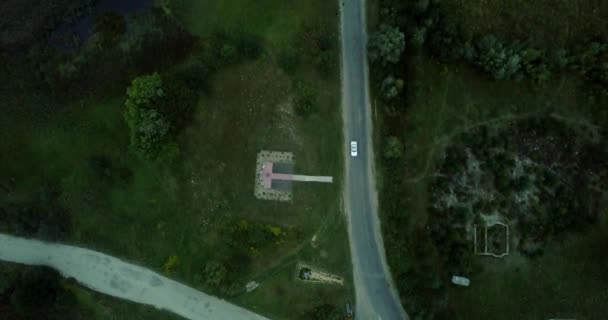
(109, 275)
(376, 297)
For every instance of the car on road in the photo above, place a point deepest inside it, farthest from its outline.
(353, 148)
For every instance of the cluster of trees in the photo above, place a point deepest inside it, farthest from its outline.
(528, 173)
(313, 44)
(566, 201)
(40, 216)
(160, 105)
(305, 99)
(386, 45)
(222, 273)
(149, 129)
(499, 59)
(36, 294)
(21, 26)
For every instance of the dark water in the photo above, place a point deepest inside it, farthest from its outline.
(77, 32)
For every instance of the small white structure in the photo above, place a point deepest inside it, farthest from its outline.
(252, 285)
(461, 281)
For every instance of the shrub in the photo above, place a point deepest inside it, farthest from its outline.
(110, 26)
(386, 45)
(418, 37)
(391, 87)
(325, 63)
(393, 148)
(497, 59)
(288, 60)
(149, 129)
(215, 274)
(304, 101)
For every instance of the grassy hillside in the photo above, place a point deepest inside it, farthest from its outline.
(185, 216)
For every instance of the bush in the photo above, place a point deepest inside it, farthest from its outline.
(288, 59)
(227, 48)
(149, 129)
(38, 294)
(110, 26)
(497, 59)
(386, 45)
(325, 63)
(391, 87)
(215, 274)
(418, 37)
(305, 102)
(151, 133)
(393, 148)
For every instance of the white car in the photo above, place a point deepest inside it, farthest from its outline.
(353, 148)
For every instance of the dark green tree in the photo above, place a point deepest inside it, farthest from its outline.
(393, 149)
(38, 294)
(149, 129)
(386, 45)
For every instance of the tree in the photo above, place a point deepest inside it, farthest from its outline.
(215, 274)
(110, 26)
(391, 87)
(393, 149)
(418, 37)
(150, 130)
(151, 134)
(497, 59)
(5, 283)
(386, 45)
(38, 294)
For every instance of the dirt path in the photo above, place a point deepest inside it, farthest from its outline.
(111, 276)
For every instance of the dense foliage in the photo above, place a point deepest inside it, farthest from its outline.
(386, 44)
(36, 294)
(544, 176)
(149, 129)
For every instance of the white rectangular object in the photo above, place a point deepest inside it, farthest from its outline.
(461, 281)
(353, 148)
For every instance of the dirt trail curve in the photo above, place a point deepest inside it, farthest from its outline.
(111, 276)
(376, 297)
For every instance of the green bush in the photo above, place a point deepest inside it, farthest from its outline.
(391, 87)
(497, 59)
(151, 132)
(393, 148)
(39, 295)
(386, 45)
(110, 26)
(288, 59)
(149, 129)
(305, 101)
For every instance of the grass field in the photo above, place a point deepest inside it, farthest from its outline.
(276, 21)
(445, 100)
(147, 212)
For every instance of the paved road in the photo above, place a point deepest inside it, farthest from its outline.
(109, 275)
(376, 297)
